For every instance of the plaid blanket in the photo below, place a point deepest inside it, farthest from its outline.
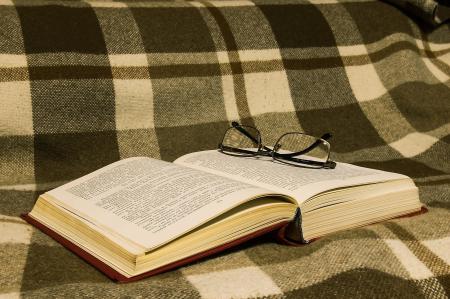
(83, 84)
(434, 12)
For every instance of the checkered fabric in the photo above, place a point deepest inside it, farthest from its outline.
(434, 12)
(83, 84)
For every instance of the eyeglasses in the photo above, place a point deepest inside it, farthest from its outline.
(292, 148)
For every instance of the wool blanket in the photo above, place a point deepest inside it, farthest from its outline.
(86, 83)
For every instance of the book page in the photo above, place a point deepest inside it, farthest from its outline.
(297, 182)
(151, 202)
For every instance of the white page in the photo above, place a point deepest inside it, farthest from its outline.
(151, 202)
(300, 183)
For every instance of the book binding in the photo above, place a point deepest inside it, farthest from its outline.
(292, 232)
(119, 277)
(287, 232)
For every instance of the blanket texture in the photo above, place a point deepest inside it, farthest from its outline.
(83, 84)
(435, 12)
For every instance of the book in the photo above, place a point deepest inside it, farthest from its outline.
(141, 216)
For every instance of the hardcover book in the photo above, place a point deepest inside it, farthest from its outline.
(140, 216)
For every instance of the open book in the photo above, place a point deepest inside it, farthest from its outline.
(141, 216)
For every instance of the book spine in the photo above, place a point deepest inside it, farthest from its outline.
(292, 233)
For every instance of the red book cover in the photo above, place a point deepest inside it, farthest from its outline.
(279, 228)
(116, 276)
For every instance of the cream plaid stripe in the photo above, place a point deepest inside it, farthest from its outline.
(85, 83)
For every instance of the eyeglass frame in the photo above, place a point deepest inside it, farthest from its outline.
(268, 152)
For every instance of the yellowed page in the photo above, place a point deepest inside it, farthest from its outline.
(151, 202)
(300, 183)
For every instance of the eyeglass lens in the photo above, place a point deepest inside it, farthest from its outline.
(295, 148)
(242, 137)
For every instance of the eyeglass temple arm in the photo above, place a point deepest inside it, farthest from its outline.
(325, 136)
(236, 150)
(327, 164)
